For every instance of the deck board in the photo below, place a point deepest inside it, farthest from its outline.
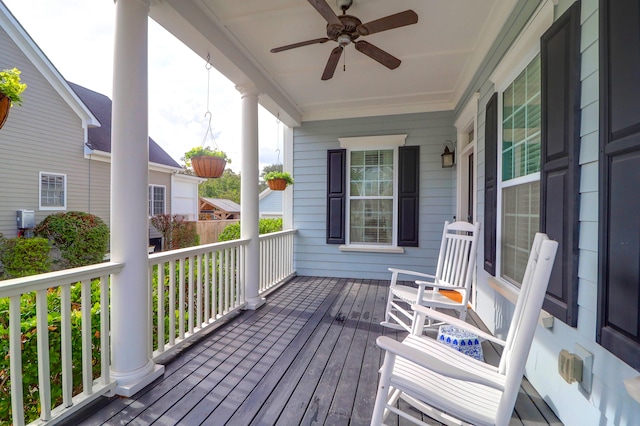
(307, 357)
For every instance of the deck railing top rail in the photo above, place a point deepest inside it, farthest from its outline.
(18, 286)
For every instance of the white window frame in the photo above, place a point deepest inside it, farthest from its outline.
(522, 52)
(52, 208)
(363, 144)
(164, 201)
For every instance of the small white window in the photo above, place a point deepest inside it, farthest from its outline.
(156, 199)
(53, 191)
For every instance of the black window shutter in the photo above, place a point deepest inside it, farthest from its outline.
(560, 151)
(618, 328)
(408, 195)
(490, 183)
(336, 195)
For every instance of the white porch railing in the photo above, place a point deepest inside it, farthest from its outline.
(52, 295)
(276, 259)
(189, 290)
(193, 288)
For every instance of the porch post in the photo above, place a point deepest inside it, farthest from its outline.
(131, 366)
(249, 195)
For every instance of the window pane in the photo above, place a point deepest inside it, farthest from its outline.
(52, 191)
(371, 222)
(520, 222)
(521, 128)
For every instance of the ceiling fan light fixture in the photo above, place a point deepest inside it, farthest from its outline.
(344, 40)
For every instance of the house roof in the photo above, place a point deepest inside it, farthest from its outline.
(99, 138)
(222, 204)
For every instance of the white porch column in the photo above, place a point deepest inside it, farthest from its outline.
(130, 362)
(249, 195)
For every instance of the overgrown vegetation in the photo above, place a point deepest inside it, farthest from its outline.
(31, 393)
(266, 226)
(176, 232)
(21, 257)
(82, 238)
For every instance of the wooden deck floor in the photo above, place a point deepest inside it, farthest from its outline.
(307, 357)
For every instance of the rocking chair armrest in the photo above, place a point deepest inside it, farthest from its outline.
(439, 285)
(434, 364)
(414, 273)
(441, 316)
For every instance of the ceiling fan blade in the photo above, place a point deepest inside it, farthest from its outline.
(390, 22)
(300, 44)
(332, 63)
(327, 13)
(378, 54)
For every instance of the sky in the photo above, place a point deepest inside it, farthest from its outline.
(77, 37)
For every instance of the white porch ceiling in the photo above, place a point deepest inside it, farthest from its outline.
(439, 54)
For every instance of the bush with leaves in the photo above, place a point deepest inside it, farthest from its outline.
(82, 238)
(30, 348)
(24, 256)
(176, 232)
(266, 226)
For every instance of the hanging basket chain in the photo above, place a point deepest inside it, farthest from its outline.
(209, 132)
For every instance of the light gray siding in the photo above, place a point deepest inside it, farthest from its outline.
(311, 142)
(44, 135)
(271, 204)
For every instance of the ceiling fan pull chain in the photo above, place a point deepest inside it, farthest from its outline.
(344, 60)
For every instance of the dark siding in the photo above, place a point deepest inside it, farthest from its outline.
(619, 237)
(490, 183)
(336, 195)
(560, 171)
(408, 195)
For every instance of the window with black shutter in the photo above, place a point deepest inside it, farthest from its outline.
(619, 234)
(490, 183)
(560, 169)
(362, 187)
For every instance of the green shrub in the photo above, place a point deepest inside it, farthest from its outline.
(25, 256)
(266, 226)
(82, 238)
(30, 351)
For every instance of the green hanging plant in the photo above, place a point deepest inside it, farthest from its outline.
(11, 86)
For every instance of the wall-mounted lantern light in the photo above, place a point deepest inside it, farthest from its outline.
(448, 157)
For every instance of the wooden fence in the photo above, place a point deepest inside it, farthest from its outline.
(208, 230)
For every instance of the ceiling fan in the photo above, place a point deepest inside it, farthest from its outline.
(345, 29)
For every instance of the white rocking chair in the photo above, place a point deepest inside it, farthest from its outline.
(455, 270)
(454, 388)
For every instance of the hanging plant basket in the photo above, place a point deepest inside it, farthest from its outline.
(5, 104)
(277, 184)
(278, 181)
(207, 166)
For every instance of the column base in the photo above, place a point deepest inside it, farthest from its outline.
(255, 302)
(132, 383)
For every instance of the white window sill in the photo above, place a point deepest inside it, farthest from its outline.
(510, 292)
(371, 249)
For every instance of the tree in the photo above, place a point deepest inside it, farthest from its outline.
(226, 186)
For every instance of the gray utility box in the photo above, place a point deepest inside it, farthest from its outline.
(26, 219)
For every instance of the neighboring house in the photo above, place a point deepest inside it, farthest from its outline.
(218, 209)
(271, 203)
(169, 191)
(55, 149)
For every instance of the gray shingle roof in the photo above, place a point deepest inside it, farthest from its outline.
(223, 204)
(99, 138)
